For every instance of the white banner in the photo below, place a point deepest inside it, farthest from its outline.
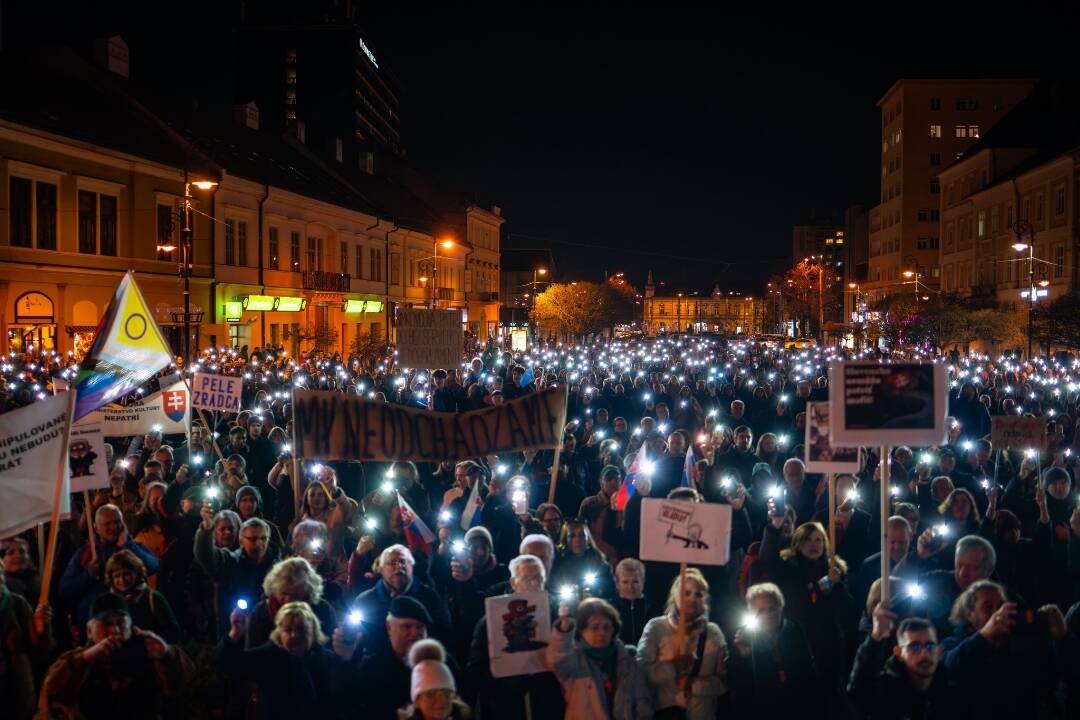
(696, 533)
(87, 463)
(518, 632)
(217, 392)
(31, 450)
(169, 408)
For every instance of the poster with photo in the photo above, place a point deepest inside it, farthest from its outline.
(518, 629)
(876, 403)
(821, 456)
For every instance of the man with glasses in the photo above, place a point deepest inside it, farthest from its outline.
(395, 567)
(519, 696)
(909, 682)
(238, 574)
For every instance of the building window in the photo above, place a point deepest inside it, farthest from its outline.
(973, 131)
(1009, 216)
(1059, 261)
(935, 103)
(45, 210)
(935, 215)
(935, 158)
(359, 272)
(968, 103)
(344, 258)
(166, 231)
(935, 131)
(230, 242)
(294, 251)
(1059, 200)
(395, 269)
(241, 243)
(981, 222)
(995, 219)
(935, 187)
(1025, 209)
(21, 211)
(97, 217)
(272, 260)
(311, 258)
(961, 131)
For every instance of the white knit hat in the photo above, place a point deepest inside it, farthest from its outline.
(429, 670)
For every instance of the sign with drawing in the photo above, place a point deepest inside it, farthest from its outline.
(518, 629)
(682, 531)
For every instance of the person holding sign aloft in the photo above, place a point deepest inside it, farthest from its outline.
(600, 676)
(812, 580)
(687, 677)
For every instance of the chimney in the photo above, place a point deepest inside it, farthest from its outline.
(112, 55)
(496, 211)
(247, 114)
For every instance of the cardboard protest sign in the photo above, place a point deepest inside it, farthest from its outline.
(1015, 432)
(518, 630)
(821, 456)
(877, 403)
(217, 392)
(168, 408)
(335, 426)
(682, 531)
(31, 451)
(429, 338)
(87, 464)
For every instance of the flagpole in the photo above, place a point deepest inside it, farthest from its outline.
(558, 452)
(832, 519)
(295, 479)
(54, 529)
(89, 514)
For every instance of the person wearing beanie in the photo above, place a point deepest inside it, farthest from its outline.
(248, 504)
(594, 508)
(434, 692)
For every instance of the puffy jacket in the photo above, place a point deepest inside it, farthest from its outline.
(583, 683)
(657, 656)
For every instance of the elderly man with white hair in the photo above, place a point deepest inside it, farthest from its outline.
(521, 696)
(395, 566)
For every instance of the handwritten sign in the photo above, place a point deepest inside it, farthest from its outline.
(429, 338)
(898, 403)
(683, 531)
(334, 426)
(216, 392)
(1015, 432)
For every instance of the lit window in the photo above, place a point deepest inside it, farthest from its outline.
(935, 131)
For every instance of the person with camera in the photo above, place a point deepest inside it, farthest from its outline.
(1005, 645)
(908, 682)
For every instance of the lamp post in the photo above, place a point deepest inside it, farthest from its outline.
(186, 251)
(532, 300)
(1021, 228)
(446, 244)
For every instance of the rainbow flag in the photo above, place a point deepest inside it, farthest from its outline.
(128, 350)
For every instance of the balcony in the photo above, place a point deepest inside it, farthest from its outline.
(326, 281)
(483, 296)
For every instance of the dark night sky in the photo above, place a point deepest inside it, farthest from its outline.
(688, 143)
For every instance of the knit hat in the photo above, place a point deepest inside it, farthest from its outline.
(406, 608)
(429, 670)
(1054, 474)
(249, 490)
(761, 467)
(481, 532)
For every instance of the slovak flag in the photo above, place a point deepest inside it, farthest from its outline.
(626, 490)
(418, 535)
(690, 470)
(470, 516)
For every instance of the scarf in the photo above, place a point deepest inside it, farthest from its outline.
(600, 654)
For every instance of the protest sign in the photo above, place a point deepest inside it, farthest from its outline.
(168, 408)
(518, 632)
(32, 449)
(217, 392)
(877, 403)
(87, 464)
(681, 531)
(1016, 432)
(335, 426)
(429, 338)
(821, 456)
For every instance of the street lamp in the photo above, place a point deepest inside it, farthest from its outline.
(446, 244)
(1032, 294)
(185, 255)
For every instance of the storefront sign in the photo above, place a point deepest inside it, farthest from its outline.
(258, 303)
(234, 311)
(33, 307)
(290, 304)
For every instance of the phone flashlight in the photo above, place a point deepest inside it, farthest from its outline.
(750, 622)
(241, 604)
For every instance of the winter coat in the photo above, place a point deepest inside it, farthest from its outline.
(583, 682)
(657, 656)
(20, 656)
(880, 686)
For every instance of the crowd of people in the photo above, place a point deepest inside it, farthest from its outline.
(198, 584)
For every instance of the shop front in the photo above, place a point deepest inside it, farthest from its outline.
(33, 326)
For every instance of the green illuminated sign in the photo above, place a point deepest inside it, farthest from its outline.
(289, 304)
(353, 306)
(234, 311)
(258, 303)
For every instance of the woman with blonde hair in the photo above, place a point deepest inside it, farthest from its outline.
(297, 676)
(291, 580)
(685, 655)
(812, 581)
